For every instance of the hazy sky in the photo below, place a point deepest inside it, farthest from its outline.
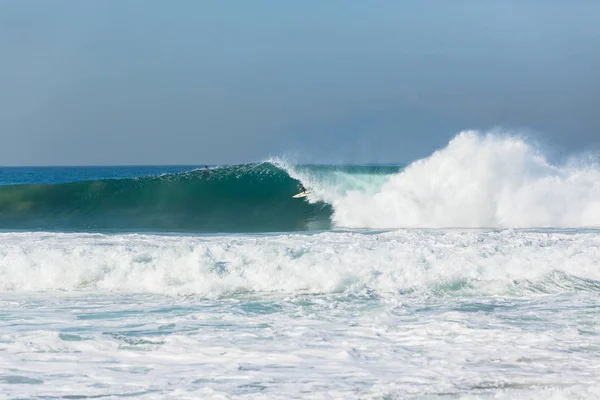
(194, 82)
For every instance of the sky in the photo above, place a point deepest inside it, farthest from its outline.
(116, 82)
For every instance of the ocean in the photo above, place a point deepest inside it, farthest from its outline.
(473, 273)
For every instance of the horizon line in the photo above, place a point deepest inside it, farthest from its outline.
(191, 165)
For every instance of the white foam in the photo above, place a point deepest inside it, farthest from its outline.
(478, 180)
(109, 345)
(387, 263)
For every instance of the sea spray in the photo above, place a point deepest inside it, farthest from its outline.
(478, 180)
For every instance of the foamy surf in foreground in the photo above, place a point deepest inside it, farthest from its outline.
(385, 264)
(400, 314)
(297, 347)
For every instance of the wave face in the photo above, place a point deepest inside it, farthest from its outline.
(247, 198)
(476, 181)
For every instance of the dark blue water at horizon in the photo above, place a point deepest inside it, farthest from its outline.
(49, 175)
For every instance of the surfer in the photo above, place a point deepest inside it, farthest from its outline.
(301, 188)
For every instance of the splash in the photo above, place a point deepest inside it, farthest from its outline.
(477, 181)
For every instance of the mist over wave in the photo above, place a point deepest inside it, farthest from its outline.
(478, 180)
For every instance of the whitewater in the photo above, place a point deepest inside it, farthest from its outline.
(478, 180)
(473, 273)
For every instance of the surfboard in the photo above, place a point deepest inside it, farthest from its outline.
(300, 195)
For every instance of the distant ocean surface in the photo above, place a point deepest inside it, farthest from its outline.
(473, 273)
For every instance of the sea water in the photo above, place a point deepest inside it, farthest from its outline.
(473, 273)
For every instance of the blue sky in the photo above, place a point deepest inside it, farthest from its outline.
(195, 82)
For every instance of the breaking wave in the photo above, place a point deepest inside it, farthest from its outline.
(477, 180)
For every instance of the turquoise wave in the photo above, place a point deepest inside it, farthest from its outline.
(243, 198)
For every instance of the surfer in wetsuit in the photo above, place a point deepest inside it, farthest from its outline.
(301, 188)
